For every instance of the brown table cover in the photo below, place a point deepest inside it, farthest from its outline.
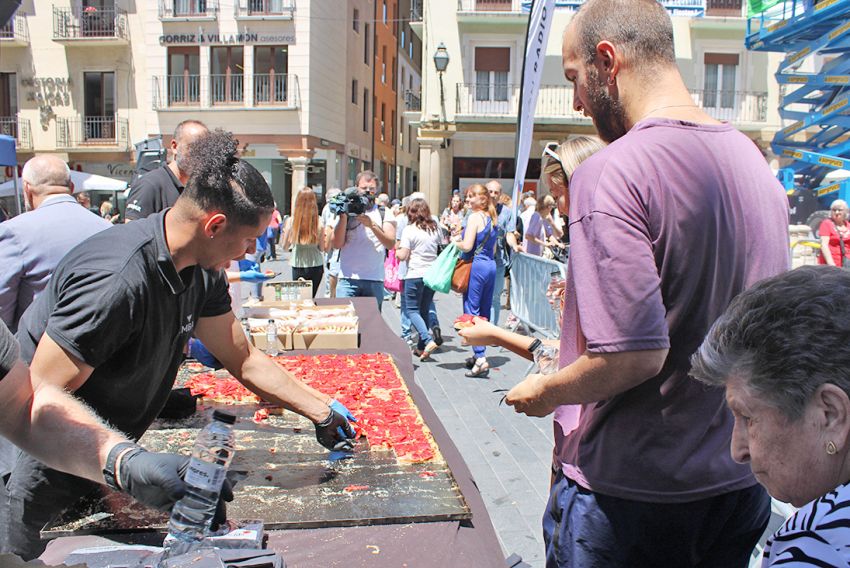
(446, 544)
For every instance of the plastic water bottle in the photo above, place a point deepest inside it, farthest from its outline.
(271, 338)
(547, 359)
(192, 516)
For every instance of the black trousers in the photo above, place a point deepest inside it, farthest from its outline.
(32, 495)
(313, 273)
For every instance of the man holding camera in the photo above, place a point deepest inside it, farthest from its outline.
(362, 240)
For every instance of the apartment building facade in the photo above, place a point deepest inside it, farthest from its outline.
(408, 103)
(68, 84)
(86, 79)
(467, 123)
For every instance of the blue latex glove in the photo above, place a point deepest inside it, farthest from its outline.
(252, 276)
(198, 350)
(340, 407)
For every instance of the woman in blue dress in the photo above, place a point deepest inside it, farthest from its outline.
(478, 242)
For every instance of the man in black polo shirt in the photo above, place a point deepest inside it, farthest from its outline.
(112, 324)
(160, 188)
(53, 425)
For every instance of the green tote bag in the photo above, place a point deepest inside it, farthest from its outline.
(439, 275)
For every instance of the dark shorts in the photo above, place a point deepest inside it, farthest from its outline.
(583, 529)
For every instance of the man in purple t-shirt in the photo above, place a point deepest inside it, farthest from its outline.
(667, 224)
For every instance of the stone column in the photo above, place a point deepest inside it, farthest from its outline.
(435, 171)
(299, 176)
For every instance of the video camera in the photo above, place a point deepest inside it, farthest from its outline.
(350, 202)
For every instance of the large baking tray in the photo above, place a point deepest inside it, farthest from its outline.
(287, 480)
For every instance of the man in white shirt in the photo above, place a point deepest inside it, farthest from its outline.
(363, 242)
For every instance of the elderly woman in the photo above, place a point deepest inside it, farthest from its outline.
(834, 236)
(782, 353)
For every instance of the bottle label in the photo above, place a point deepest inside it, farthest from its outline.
(203, 475)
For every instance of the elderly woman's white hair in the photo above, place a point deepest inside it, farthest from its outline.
(838, 203)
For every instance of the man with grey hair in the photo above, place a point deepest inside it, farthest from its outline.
(32, 244)
(159, 189)
(662, 239)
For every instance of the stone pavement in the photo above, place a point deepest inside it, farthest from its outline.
(508, 454)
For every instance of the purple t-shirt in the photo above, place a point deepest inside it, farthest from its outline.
(537, 228)
(667, 225)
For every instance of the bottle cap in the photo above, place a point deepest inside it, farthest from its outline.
(224, 417)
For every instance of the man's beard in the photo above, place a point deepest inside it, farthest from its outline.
(608, 114)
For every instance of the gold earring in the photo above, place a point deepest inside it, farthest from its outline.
(830, 448)
(611, 80)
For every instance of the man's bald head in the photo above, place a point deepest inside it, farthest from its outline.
(184, 135)
(47, 174)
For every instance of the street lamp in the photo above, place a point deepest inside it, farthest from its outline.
(441, 58)
(441, 61)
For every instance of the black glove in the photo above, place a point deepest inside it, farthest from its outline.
(335, 433)
(156, 480)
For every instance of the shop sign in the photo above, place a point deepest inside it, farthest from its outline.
(116, 170)
(47, 92)
(244, 38)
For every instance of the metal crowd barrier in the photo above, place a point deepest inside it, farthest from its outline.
(530, 277)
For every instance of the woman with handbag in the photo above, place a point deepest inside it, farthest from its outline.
(835, 236)
(478, 243)
(303, 232)
(418, 246)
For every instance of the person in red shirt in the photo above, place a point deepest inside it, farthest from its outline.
(835, 236)
(274, 233)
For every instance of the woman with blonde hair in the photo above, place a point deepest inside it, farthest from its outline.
(560, 160)
(478, 243)
(303, 232)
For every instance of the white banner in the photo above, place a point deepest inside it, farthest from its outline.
(539, 23)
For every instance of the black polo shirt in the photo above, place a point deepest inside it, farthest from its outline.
(118, 303)
(8, 350)
(153, 192)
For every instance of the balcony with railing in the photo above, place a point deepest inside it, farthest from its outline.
(227, 90)
(675, 7)
(737, 107)
(725, 8)
(267, 90)
(412, 102)
(279, 90)
(416, 11)
(264, 9)
(19, 129)
(15, 32)
(188, 10)
(92, 133)
(495, 102)
(86, 23)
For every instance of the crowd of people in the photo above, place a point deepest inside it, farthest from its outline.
(696, 374)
